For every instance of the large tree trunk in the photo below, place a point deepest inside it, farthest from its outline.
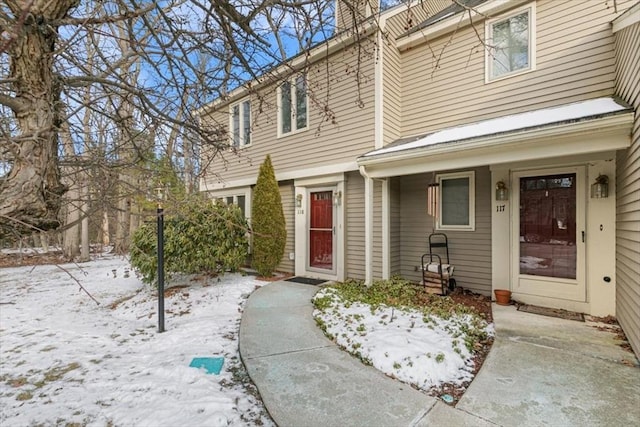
(70, 236)
(85, 249)
(71, 179)
(30, 194)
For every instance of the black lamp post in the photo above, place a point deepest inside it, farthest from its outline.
(160, 193)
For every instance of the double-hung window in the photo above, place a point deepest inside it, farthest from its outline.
(241, 124)
(511, 43)
(456, 201)
(293, 106)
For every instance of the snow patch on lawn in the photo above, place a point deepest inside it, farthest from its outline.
(64, 359)
(423, 350)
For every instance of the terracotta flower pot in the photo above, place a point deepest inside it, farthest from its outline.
(503, 296)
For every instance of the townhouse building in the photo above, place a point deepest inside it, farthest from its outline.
(511, 126)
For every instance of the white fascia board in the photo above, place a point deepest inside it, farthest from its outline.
(459, 20)
(327, 171)
(629, 17)
(608, 133)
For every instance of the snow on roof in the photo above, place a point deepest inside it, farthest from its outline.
(515, 122)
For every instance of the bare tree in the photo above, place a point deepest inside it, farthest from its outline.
(142, 63)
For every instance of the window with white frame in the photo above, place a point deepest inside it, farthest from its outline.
(240, 124)
(456, 201)
(240, 200)
(293, 105)
(511, 43)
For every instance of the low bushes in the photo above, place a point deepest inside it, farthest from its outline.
(200, 237)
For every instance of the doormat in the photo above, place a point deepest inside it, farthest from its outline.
(551, 312)
(212, 365)
(306, 280)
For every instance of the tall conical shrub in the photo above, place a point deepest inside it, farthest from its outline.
(267, 222)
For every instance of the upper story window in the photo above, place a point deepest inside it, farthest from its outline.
(511, 44)
(293, 106)
(457, 201)
(241, 124)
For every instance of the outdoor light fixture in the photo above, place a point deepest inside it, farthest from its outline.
(600, 188)
(299, 201)
(160, 247)
(502, 192)
(337, 198)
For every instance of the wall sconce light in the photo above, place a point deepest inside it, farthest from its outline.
(337, 198)
(299, 201)
(502, 192)
(600, 188)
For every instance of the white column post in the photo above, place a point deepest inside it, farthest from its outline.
(386, 229)
(368, 230)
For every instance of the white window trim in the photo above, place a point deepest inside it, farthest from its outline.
(241, 121)
(488, 31)
(471, 175)
(247, 193)
(294, 129)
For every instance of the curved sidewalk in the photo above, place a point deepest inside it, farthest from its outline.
(306, 380)
(540, 371)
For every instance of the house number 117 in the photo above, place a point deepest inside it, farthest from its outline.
(500, 208)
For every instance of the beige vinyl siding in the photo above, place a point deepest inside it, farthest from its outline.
(391, 103)
(288, 207)
(628, 191)
(470, 251)
(392, 70)
(344, 84)
(575, 62)
(354, 206)
(394, 228)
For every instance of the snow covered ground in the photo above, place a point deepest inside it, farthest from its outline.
(66, 360)
(426, 351)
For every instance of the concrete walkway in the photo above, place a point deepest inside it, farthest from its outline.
(540, 371)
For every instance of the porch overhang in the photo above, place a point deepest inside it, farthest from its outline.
(499, 141)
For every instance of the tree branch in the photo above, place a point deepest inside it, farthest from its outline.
(16, 105)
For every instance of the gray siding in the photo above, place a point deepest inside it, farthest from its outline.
(470, 251)
(628, 190)
(354, 205)
(443, 82)
(288, 207)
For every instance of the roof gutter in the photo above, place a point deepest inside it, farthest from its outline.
(493, 147)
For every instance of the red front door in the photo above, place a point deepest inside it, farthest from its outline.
(321, 230)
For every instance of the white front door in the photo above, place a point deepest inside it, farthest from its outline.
(548, 257)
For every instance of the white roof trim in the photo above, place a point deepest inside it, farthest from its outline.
(216, 183)
(505, 124)
(629, 17)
